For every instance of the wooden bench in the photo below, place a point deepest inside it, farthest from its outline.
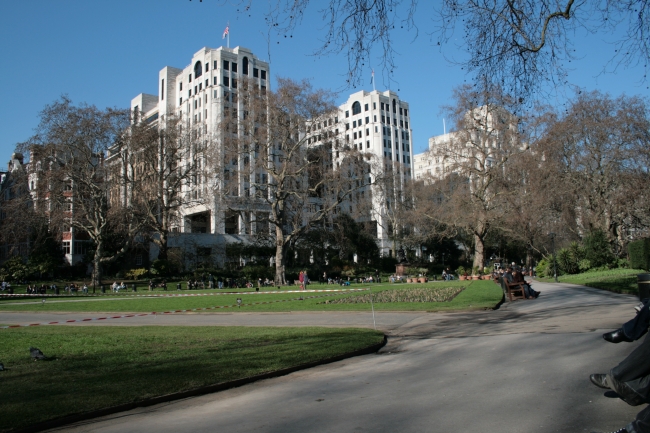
(513, 291)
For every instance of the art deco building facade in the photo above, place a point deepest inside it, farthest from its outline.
(377, 125)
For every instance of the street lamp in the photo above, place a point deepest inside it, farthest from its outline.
(552, 236)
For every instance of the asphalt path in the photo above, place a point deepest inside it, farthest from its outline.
(521, 368)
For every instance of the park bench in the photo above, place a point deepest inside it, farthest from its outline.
(512, 291)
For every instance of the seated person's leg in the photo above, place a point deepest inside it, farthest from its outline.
(631, 330)
(638, 326)
(642, 422)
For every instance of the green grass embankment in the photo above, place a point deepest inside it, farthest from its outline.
(614, 280)
(95, 367)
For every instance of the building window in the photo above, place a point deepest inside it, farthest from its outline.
(138, 259)
(181, 85)
(355, 135)
(374, 118)
(407, 125)
(226, 65)
(162, 90)
(198, 69)
(367, 120)
(347, 126)
(365, 108)
(214, 65)
(226, 81)
(233, 67)
(215, 81)
(406, 112)
(256, 73)
(356, 108)
(354, 124)
(207, 66)
(367, 132)
(368, 144)
(263, 75)
(189, 92)
(200, 86)
(244, 65)
(394, 106)
(347, 114)
(234, 81)
(180, 100)
(374, 105)
(382, 105)
(190, 80)
(65, 246)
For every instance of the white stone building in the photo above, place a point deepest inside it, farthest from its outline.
(198, 95)
(378, 124)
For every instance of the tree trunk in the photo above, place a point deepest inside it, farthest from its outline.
(280, 254)
(97, 266)
(479, 252)
(162, 247)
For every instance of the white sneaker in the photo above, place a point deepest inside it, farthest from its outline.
(639, 307)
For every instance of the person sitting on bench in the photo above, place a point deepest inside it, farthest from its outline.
(518, 277)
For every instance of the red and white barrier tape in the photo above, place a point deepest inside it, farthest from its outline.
(181, 311)
(170, 295)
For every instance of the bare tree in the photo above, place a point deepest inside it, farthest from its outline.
(513, 44)
(390, 202)
(467, 194)
(281, 167)
(595, 148)
(159, 168)
(24, 228)
(69, 148)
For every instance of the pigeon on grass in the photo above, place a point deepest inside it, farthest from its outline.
(36, 354)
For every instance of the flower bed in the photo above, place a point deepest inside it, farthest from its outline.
(443, 294)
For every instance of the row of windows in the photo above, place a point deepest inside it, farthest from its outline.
(356, 108)
(227, 66)
(226, 82)
(406, 159)
(402, 123)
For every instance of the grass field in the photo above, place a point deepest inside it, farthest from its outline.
(475, 295)
(614, 280)
(94, 367)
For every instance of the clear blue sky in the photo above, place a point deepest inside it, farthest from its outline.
(106, 52)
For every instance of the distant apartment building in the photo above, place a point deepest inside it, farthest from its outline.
(378, 125)
(482, 143)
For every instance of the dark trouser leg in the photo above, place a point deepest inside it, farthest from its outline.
(635, 328)
(642, 422)
(530, 293)
(631, 378)
(636, 364)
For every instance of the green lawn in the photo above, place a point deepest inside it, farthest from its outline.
(614, 280)
(96, 367)
(476, 295)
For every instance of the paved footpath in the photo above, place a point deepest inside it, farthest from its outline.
(522, 368)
